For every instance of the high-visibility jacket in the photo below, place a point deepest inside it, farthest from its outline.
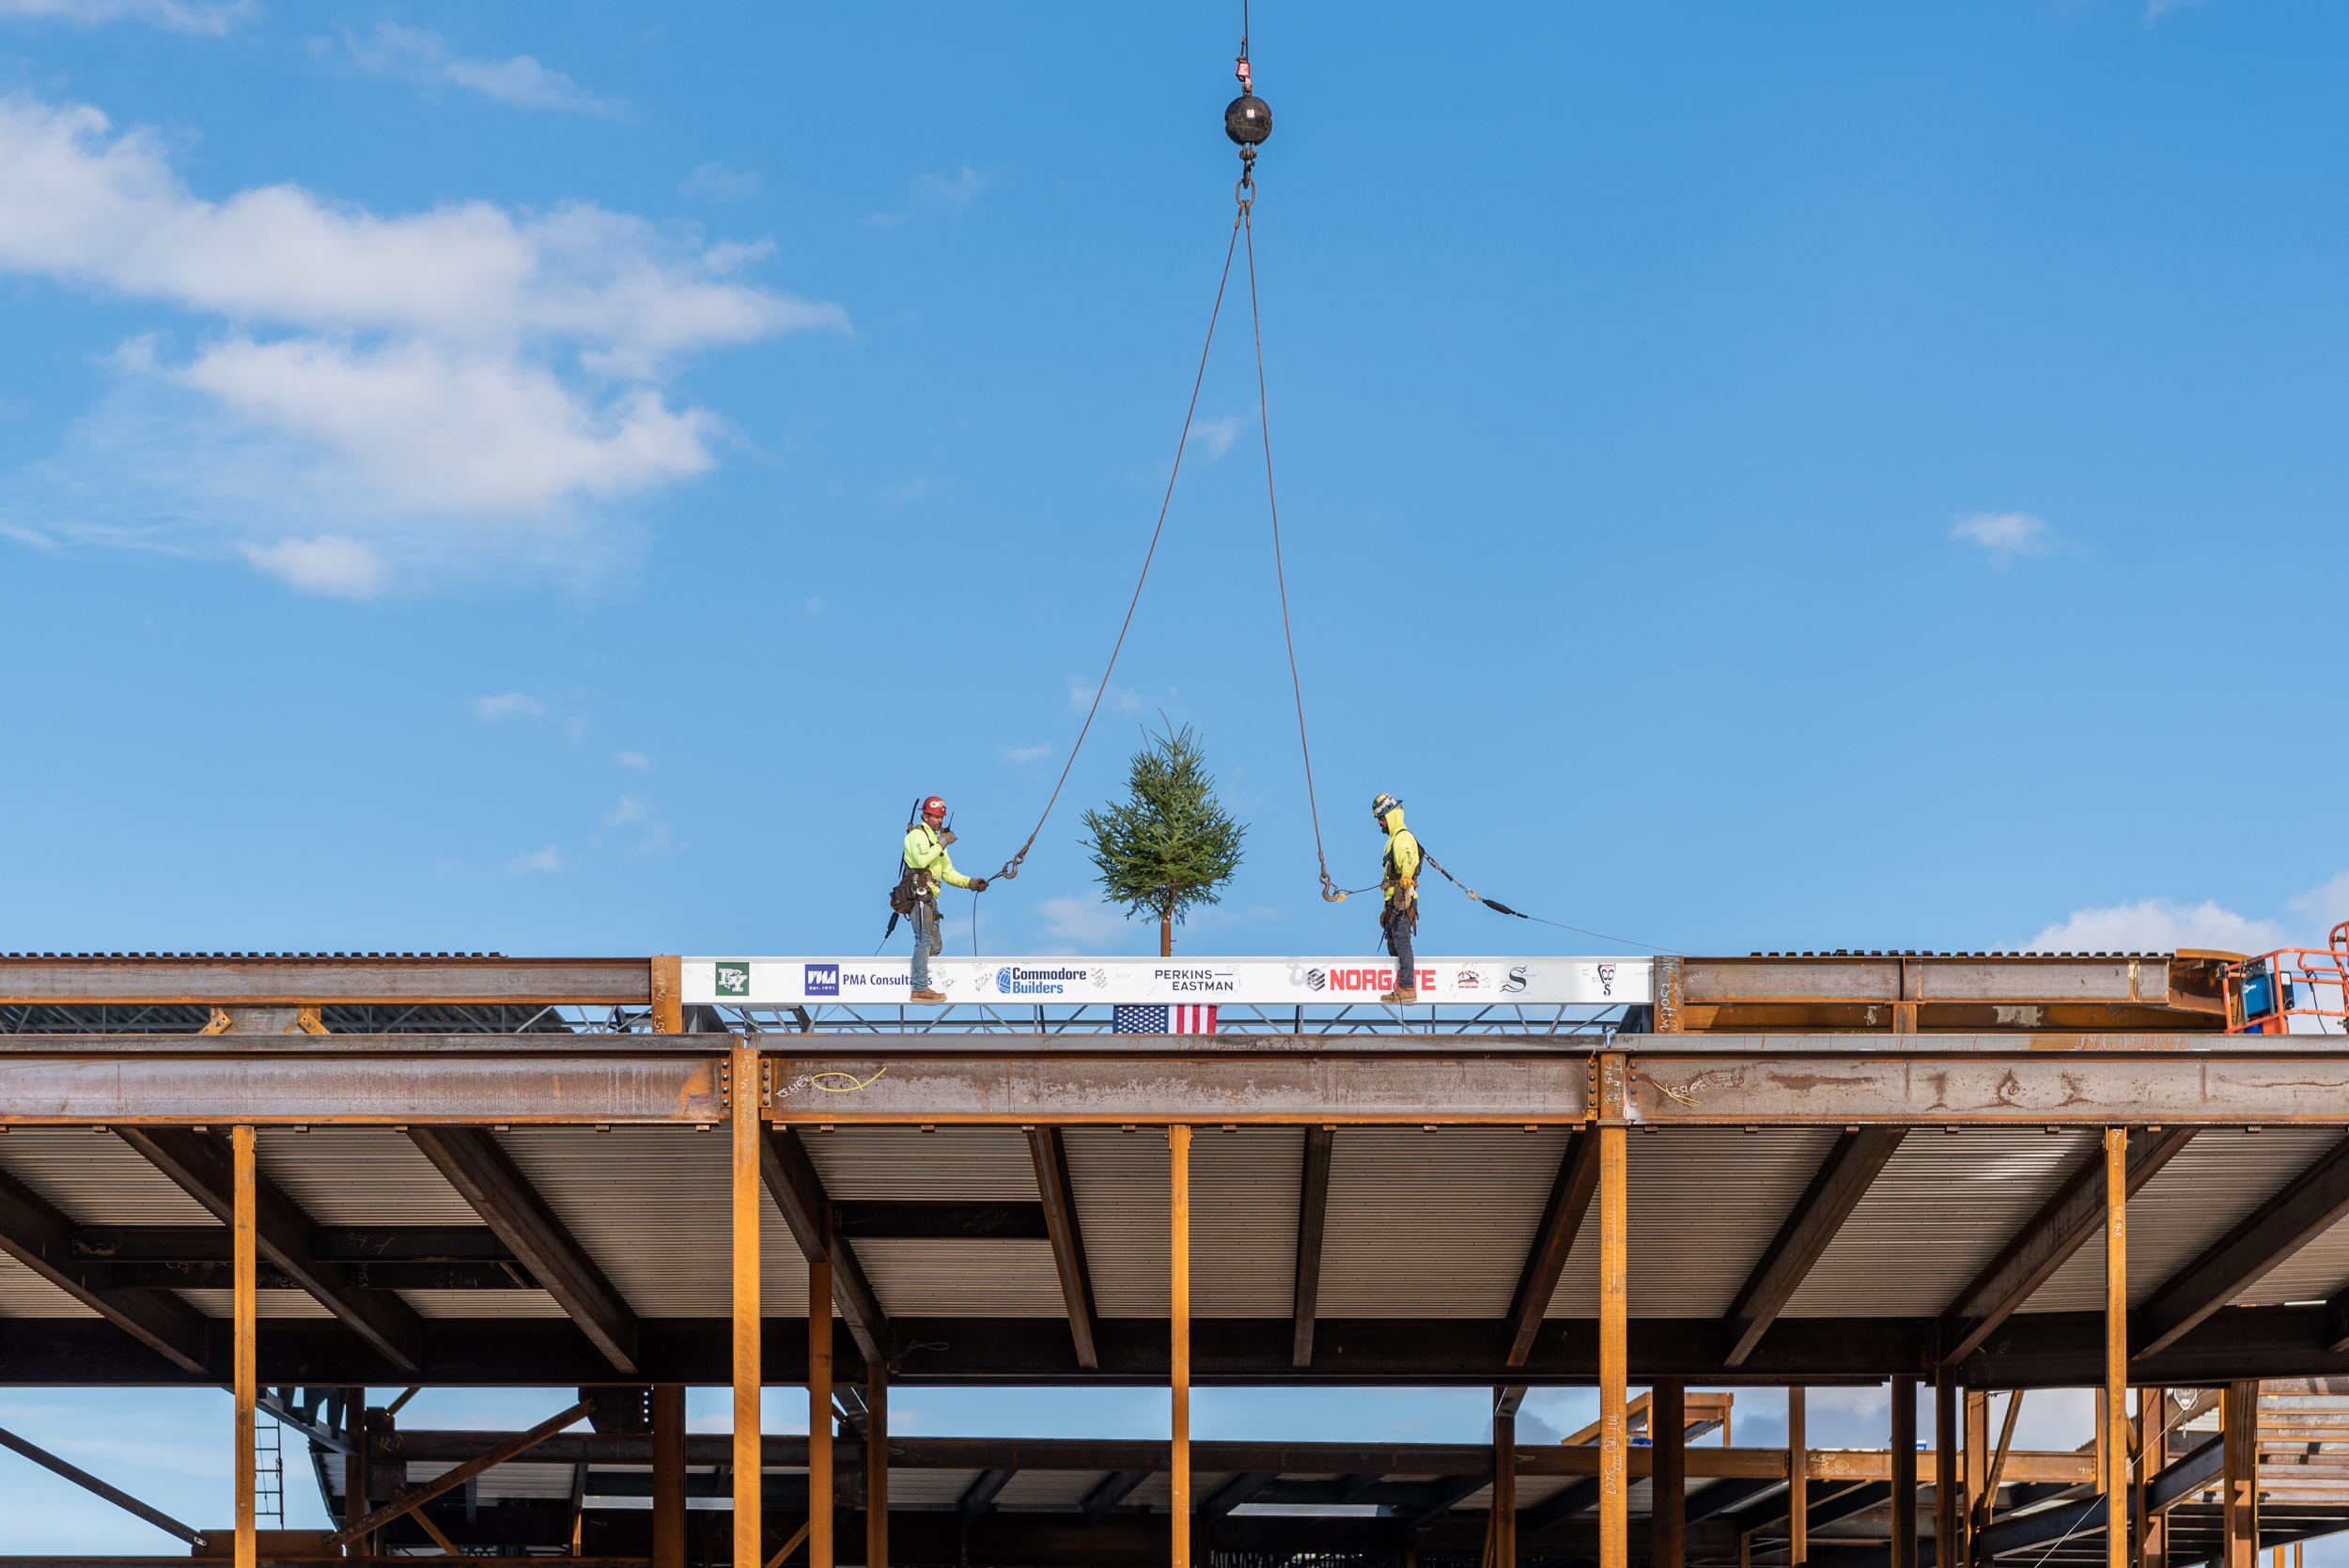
(925, 853)
(1402, 861)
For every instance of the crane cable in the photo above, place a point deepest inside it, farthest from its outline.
(1011, 866)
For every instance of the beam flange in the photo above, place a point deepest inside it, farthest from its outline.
(1112, 1489)
(199, 1163)
(486, 1176)
(1844, 1179)
(981, 1494)
(40, 1237)
(1050, 1154)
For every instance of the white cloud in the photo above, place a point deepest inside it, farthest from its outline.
(938, 192)
(2323, 907)
(720, 183)
(2004, 535)
(462, 389)
(548, 860)
(177, 16)
(1216, 435)
(2158, 925)
(631, 809)
(1116, 699)
(637, 760)
(1083, 921)
(1026, 754)
(330, 563)
(510, 704)
(417, 54)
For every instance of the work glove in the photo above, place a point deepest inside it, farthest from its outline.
(978, 884)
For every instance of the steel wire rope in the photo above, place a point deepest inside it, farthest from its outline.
(1011, 866)
(1330, 892)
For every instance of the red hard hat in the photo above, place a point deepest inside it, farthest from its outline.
(934, 806)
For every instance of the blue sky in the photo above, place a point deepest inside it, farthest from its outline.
(561, 479)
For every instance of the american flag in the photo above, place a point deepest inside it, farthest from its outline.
(1181, 1018)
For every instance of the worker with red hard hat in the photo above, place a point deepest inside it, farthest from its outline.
(927, 868)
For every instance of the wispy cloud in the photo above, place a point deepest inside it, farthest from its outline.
(549, 861)
(392, 399)
(423, 57)
(1116, 699)
(631, 809)
(2322, 907)
(2004, 535)
(177, 16)
(937, 194)
(2157, 925)
(637, 760)
(508, 705)
(1026, 754)
(1216, 435)
(717, 182)
(330, 563)
(1083, 921)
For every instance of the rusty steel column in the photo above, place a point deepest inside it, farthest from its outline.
(1949, 1518)
(749, 1199)
(1980, 1497)
(1903, 1472)
(355, 1467)
(668, 1003)
(1668, 1443)
(819, 1420)
(1798, 1478)
(2116, 1433)
(1614, 1445)
(876, 1465)
(2152, 1410)
(2238, 1502)
(1505, 1505)
(1178, 1312)
(245, 1190)
(668, 1475)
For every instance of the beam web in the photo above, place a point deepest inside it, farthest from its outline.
(243, 1190)
(749, 1501)
(1614, 1481)
(1178, 1311)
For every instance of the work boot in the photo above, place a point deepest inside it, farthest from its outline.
(928, 997)
(1402, 995)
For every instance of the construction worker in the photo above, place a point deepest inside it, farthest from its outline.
(1398, 919)
(928, 867)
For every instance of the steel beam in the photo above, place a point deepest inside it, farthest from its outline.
(798, 1191)
(1850, 1168)
(200, 1165)
(1570, 1195)
(286, 980)
(1114, 1488)
(1050, 1154)
(1313, 1214)
(2047, 1241)
(40, 1237)
(2311, 1205)
(981, 1494)
(474, 1163)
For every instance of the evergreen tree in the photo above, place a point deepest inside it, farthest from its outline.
(1171, 844)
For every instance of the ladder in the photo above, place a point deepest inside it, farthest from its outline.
(269, 1473)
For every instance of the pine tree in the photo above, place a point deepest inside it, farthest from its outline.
(1171, 844)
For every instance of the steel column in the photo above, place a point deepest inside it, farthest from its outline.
(1949, 1518)
(1798, 1479)
(668, 1475)
(876, 1465)
(1667, 1444)
(1903, 1472)
(749, 1503)
(2116, 1403)
(1178, 1313)
(2238, 1502)
(1504, 1504)
(1614, 1481)
(244, 1190)
(819, 1482)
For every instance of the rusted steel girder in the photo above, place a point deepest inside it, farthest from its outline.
(291, 981)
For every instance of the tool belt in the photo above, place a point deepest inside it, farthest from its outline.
(1402, 906)
(913, 888)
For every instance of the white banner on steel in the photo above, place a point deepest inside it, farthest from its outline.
(1231, 982)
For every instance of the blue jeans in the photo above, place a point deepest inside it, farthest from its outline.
(925, 941)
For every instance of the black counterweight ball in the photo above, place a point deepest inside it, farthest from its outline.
(1247, 119)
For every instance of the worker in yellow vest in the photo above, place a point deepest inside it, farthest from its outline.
(1398, 920)
(927, 868)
